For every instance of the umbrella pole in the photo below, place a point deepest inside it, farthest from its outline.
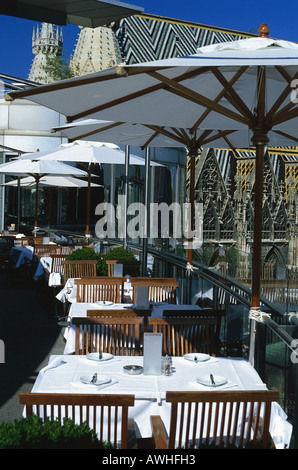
(257, 244)
(192, 154)
(36, 204)
(88, 203)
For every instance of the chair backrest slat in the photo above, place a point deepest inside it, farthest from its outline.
(160, 289)
(79, 268)
(186, 335)
(58, 405)
(95, 289)
(233, 418)
(114, 335)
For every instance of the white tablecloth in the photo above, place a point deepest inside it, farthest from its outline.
(150, 391)
(69, 291)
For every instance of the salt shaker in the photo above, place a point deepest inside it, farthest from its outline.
(167, 365)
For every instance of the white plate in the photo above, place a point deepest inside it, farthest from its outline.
(101, 379)
(205, 380)
(199, 357)
(95, 357)
(104, 303)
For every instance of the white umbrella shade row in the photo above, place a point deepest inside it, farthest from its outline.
(37, 170)
(90, 153)
(226, 95)
(86, 152)
(53, 181)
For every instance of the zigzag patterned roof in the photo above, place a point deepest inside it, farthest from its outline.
(150, 37)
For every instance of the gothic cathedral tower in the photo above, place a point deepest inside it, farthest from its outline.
(46, 40)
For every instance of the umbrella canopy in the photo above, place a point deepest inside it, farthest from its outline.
(53, 181)
(37, 170)
(241, 91)
(86, 152)
(90, 13)
(90, 153)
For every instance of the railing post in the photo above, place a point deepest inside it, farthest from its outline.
(260, 348)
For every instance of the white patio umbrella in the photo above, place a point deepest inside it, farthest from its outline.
(53, 181)
(37, 170)
(91, 153)
(226, 95)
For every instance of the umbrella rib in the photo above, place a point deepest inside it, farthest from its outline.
(162, 130)
(195, 97)
(88, 134)
(215, 137)
(62, 85)
(129, 97)
(283, 95)
(231, 94)
(285, 134)
(233, 80)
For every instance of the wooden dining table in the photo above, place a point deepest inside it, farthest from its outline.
(68, 373)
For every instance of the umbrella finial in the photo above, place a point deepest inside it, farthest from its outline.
(263, 31)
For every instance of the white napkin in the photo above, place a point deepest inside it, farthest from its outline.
(53, 364)
(229, 384)
(80, 387)
(20, 235)
(54, 279)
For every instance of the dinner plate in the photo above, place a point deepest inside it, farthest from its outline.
(206, 380)
(95, 357)
(101, 379)
(196, 357)
(105, 303)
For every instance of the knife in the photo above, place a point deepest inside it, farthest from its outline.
(212, 379)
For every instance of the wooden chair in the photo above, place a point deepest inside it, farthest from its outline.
(220, 316)
(79, 268)
(225, 418)
(46, 250)
(105, 414)
(39, 240)
(119, 336)
(125, 312)
(100, 288)
(160, 289)
(57, 266)
(24, 241)
(186, 335)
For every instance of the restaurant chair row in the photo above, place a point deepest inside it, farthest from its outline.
(230, 419)
(120, 332)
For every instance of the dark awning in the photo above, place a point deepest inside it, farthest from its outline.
(90, 13)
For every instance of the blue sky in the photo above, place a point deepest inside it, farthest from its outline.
(16, 34)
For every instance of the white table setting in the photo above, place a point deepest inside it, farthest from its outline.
(73, 374)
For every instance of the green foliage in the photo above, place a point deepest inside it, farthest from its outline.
(32, 433)
(88, 254)
(122, 254)
(57, 67)
(118, 253)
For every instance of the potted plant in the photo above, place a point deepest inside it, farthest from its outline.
(119, 255)
(89, 254)
(32, 432)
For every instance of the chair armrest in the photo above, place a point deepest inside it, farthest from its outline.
(158, 432)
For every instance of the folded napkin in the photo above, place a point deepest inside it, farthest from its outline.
(225, 386)
(57, 362)
(20, 235)
(89, 388)
(54, 279)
